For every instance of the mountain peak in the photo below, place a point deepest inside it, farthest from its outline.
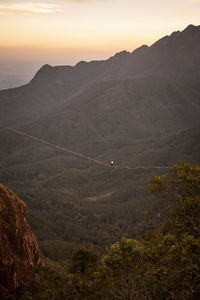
(187, 33)
(45, 68)
(81, 63)
(121, 54)
(192, 28)
(140, 49)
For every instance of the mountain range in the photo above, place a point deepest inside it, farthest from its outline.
(174, 57)
(140, 109)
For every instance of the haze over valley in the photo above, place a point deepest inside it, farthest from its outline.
(79, 143)
(140, 109)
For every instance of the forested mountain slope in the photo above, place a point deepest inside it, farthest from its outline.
(165, 264)
(175, 57)
(111, 114)
(139, 109)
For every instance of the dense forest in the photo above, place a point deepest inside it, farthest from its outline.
(103, 233)
(140, 109)
(74, 202)
(164, 264)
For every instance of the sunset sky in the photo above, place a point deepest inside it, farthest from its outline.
(70, 30)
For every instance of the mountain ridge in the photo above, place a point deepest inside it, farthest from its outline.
(138, 109)
(121, 105)
(176, 60)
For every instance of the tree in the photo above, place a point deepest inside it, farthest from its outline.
(182, 181)
(165, 264)
(82, 259)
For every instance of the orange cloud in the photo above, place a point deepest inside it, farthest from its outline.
(28, 8)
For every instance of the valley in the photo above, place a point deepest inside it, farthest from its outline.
(59, 132)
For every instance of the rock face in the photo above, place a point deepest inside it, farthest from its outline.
(19, 251)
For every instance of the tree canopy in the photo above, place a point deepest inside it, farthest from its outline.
(165, 264)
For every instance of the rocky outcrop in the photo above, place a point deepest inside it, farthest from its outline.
(19, 251)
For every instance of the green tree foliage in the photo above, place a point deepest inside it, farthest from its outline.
(82, 259)
(165, 264)
(181, 182)
(50, 284)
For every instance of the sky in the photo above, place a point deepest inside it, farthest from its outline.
(73, 30)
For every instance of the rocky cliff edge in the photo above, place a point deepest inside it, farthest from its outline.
(19, 250)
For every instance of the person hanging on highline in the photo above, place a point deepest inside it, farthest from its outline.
(112, 163)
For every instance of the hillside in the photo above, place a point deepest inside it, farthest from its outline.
(175, 57)
(140, 109)
(113, 114)
(165, 264)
